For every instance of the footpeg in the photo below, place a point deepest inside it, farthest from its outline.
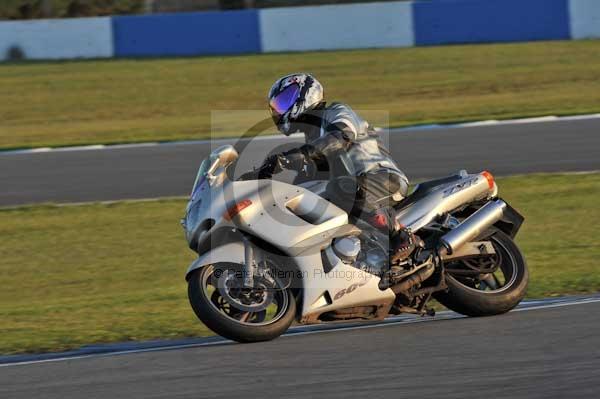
(406, 309)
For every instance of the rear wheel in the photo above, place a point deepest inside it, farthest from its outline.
(220, 300)
(487, 285)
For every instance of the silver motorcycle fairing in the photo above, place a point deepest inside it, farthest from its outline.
(446, 198)
(281, 214)
(343, 287)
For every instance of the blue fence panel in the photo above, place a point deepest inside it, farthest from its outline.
(231, 32)
(477, 21)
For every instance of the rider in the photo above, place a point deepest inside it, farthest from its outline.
(371, 179)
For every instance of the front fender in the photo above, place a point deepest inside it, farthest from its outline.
(232, 252)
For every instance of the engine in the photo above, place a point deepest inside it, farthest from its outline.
(363, 253)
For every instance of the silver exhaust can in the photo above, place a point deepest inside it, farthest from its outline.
(474, 225)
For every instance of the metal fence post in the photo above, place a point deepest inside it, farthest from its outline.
(46, 8)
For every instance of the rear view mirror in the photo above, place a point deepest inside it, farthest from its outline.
(225, 155)
(221, 157)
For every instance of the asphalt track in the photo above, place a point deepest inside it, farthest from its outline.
(539, 351)
(536, 352)
(130, 172)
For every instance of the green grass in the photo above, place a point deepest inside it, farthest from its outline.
(561, 234)
(110, 101)
(74, 275)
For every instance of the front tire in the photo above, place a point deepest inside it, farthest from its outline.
(466, 295)
(228, 321)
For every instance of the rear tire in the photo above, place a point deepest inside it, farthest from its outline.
(225, 326)
(473, 302)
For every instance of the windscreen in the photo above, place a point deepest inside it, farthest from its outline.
(200, 178)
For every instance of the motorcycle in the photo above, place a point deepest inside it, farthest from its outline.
(271, 253)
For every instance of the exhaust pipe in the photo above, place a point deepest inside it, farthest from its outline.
(472, 226)
(416, 278)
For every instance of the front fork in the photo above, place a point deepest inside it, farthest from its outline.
(254, 270)
(249, 264)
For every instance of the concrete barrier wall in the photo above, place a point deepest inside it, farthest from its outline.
(337, 27)
(57, 39)
(585, 19)
(385, 24)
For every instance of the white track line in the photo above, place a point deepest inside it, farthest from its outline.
(491, 122)
(125, 352)
(318, 329)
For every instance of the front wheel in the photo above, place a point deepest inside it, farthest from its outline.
(488, 285)
(224, 305)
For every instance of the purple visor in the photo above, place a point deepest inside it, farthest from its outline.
(282, 102)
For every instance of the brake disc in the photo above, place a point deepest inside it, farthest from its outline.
(255, 299)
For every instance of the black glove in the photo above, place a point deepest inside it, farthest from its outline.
(270, 166)
(293, 160)
(251, 175)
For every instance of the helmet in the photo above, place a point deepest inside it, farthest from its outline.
(291, 96)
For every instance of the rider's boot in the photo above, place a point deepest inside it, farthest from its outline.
(402, 241)
(402, 244)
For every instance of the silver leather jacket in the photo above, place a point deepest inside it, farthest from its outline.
(332, 129)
